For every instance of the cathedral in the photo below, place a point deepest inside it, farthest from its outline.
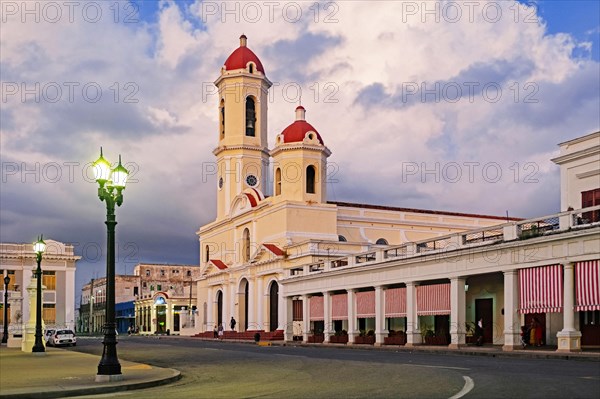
(258, 237)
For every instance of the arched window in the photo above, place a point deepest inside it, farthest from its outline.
(246, 245)
(251, 68)
(341, 238)
(222, 118)
(278, 181)
(250, 116)
(381, 241)
(206, 253)
(310, 179)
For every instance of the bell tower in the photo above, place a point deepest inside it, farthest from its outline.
(242, 153)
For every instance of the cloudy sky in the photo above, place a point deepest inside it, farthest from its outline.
(448, 106)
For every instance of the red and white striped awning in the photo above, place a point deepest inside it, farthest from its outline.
(339, 307)
(433, 299)
(541, 289)
(395, 302)
(365, 304)
(316, 308)
(587, 283)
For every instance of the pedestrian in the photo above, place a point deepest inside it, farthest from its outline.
(537, 335)
(129, 330)
(215, 333)
(479, 332)
(524, 336)
(232, 323)
(221, 331)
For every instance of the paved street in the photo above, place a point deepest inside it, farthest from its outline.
(231, 370)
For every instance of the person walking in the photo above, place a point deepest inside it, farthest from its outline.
(232, 323)
(220, 331)
(479, 332)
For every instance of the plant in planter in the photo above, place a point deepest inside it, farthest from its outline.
(395, 338)
(365, 338)
(340, 337)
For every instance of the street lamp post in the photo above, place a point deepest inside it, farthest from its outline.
(112, 183)
(5, 332)
(39, 247)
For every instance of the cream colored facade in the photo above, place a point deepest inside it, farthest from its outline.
(167, 298)
(579, 162)
(18, 261)
(256, 238)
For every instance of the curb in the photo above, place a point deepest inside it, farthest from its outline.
(175, 375)
(463, 351)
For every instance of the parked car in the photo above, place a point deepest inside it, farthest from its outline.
(62, 337)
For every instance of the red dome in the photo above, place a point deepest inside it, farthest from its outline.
(296, 132)
(241, 57)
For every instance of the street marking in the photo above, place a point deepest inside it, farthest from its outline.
(438, 367)
(469, 385)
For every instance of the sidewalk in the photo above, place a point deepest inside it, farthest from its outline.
(62, 373)
(544, 352)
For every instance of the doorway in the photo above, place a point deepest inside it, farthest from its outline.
(484, 309)
(274, 306)
(220, 308)
(541, 318)
(161, 318)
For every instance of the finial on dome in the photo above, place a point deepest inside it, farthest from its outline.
(300, 113)
(243, 40)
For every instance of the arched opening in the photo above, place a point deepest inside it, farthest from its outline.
(222, 118)
(278, 181)
(219, 308)
(341, 238)
(243, 305)
(381, 241)
(250, 116)
(310, 179)
(207, 253)
(246, 245)
(251, 68)
(273, 306)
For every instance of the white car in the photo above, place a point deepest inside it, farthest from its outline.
(62, 337)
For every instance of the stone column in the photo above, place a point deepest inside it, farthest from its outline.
(27, 276)
(305, 317)
(327, 316)
(569, 338)
(251, 305)
(286, 321)
(457, 312)
(153, 320)
(28, 340)
(352, 330)
(380, 329)
(210, 306)
(169, 324)
(280, 308)
(260, 304)
(512, 319)
(413, 334)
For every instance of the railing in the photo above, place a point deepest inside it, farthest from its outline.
(395, 252)
(537, 228)
(317, 267)
(564, 221)
(339, 263)
(364, 258)
(432, 245)
(482, 236)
